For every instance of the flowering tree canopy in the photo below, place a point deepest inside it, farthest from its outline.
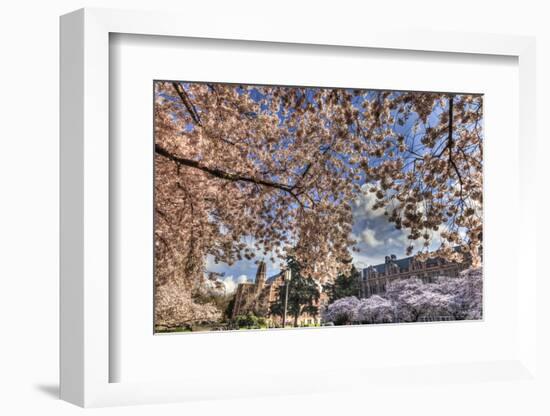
(375, 309)
(467, 293)
(343, 311)
(429, 179)
(414, 299)
(282, 165)
(408, 300)
(174, 307)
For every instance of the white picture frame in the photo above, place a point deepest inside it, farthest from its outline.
(85, 165)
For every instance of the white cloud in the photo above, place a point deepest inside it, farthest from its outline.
(230, 285)
(362, 207)
(369, 238)
(231, 282)
(362, 261)
(210, 263)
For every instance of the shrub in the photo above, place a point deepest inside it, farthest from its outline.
(250, 321)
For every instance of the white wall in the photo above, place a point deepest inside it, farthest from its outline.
(29, 56)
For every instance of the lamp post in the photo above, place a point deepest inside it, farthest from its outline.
(287, 277)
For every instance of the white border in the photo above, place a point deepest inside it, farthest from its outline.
(85, 198)
(137, 60)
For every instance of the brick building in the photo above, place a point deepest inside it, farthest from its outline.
(257, 297)
(374, 279)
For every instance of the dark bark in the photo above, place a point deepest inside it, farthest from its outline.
(218, 173)
(187, 102)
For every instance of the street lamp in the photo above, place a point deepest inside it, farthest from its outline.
(287, 278)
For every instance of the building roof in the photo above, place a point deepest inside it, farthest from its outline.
(271, 279)
(403, 264)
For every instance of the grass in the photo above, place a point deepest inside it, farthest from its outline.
(171, 330)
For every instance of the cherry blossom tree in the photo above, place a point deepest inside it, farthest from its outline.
(459, 297)
(467, 293)
(174, 307)
(375, 309)
(342, 311)
(410, 300)
(428, 176)
(415, 299)
(281, 166)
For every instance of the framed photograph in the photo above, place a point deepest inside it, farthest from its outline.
(292, 208)
(278, 206)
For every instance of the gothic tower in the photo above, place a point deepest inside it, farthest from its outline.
(260, 276)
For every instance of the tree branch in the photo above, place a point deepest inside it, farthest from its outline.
(187, 102)
(218, 173)
(450, 143)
